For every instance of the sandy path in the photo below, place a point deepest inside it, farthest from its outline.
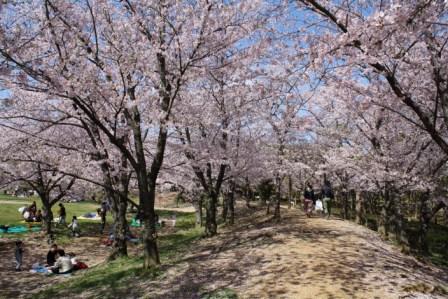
(299, 258)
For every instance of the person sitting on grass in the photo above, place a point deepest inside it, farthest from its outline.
(74, 226)
(38, 217)
(53, 254)
(63, 265)
(32, 208)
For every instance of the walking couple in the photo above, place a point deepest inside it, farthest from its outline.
(318, 203)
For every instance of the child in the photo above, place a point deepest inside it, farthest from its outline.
(75, 227)
(19, 255)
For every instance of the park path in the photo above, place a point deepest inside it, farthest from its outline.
(299, 258)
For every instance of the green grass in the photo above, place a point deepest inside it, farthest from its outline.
(9, 215)
(437, 241)
(124, 277)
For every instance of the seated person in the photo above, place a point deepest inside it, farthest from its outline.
(53, 254)
(38, 216)
(32, 208)
(63, 265)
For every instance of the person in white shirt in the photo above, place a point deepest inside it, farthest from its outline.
(63, 265)
(75, 227)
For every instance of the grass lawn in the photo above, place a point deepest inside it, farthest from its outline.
(9, 214)
(123, 277)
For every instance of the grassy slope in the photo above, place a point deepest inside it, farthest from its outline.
(437, 238)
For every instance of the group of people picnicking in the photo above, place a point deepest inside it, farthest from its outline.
(31, 213)
(57, 262)
(321, 203)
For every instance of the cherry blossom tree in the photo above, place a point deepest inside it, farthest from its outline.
(27, 160)
(120, 63)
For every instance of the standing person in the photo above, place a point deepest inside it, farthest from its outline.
(308, 199)
(102, 213)
(18, 252)
(327, 196)
(74, 226)
(62, 214)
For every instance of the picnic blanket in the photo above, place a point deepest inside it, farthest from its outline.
(90, 216)
(136, 223)
(20, 229)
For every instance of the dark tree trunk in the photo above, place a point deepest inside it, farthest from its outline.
(151, 252)
(425, 218)
(360, 209)
(345, 199)
(211, 227)
(398, 221)
(289, 191)
(119, 207)
(47, 216)
(277, 198)
(249, 193)
(198, 211)
(383, 219)
(225, 206)
(231, 203)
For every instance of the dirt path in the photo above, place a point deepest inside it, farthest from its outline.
(300, 258)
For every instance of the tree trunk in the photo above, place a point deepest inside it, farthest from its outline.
(398, 220)
(360, 210)
(345, 199)
(198, 211)
(151, 252)
(231, 203)
(289, 191)
(277, 199)
(119, 207)
(211, 227)
(47, 216)
(424, 218)
(249, 193)
(225, 206)
(383, 219)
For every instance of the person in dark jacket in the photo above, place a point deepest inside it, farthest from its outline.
(308, 199)
(18, 252)
(62, 214)
(102, 213)
(327, 197)
(53, 254)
